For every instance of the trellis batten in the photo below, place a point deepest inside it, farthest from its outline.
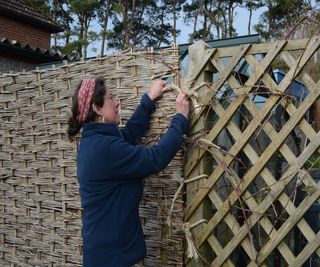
(40, 214)
(257, 210)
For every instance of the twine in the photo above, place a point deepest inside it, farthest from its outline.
(193, 251)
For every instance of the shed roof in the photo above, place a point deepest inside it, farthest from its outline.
(225, 42)
(233, 41)
(22, 10)
(35, 53)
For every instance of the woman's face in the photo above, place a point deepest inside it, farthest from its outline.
(109, 110)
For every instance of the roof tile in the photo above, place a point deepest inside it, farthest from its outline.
(24, 10)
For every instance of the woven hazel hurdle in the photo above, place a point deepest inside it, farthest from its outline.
(40, 214)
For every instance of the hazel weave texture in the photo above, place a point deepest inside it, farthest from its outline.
(40, 214)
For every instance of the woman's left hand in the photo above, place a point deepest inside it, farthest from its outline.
(158, 88)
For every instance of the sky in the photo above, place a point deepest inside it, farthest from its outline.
(240, 23)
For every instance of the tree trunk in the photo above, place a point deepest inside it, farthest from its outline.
(204, 34)
(218, 19)
(269, 20)
(224, 23)
(249, 22)
(205, 18)
(85, 36)
(105, 25)
(162, 23)
(132, 17)
(125, 24)
(174, 22)
(80, 39)
(54, 15)
(194, 26)
(230, 17)
(67, 40)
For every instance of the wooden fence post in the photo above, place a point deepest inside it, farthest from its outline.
(204, 166)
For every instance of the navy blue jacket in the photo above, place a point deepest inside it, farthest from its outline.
(110, 168)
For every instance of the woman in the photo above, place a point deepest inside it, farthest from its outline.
(111, 167)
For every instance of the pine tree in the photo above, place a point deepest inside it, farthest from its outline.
(230, 6)
(252, 5)
(104, 14)
(200, 11)
(141, 23)
(85, 11)
(173, 7)
(280, 16)
(214, 15)
(75, 16)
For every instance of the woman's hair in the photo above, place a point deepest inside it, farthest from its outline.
(99, 92)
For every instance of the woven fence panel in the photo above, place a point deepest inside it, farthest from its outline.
(40, 213)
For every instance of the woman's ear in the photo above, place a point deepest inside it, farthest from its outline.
(96, 109)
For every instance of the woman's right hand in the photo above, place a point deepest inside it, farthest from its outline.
(158, 88)
(182, 104)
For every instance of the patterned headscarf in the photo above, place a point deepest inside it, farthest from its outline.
(84, 99)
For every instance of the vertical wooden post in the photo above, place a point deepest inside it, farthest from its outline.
(204, 166)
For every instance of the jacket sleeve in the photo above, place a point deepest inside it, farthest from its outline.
(138, 161)
(138, 124)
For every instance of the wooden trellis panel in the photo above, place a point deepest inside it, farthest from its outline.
(256, 204)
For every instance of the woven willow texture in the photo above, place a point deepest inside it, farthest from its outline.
(40, 214)
(258, 142)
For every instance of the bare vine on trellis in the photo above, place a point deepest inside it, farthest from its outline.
(217, 152)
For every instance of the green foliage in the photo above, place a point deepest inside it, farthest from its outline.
(150, 22)
(215, 19)
(117, 8)
(313, 162)
(281, 15)
(253, 4)
(83, 6)
(72, 47)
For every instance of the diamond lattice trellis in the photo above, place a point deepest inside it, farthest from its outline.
(259, 190)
